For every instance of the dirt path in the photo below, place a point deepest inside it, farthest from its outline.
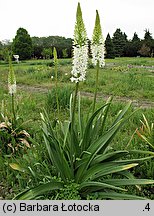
(136, 103)
(145, 104)
(29, 88)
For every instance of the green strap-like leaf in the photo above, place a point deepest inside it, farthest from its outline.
(123, 182)
(109, 156)
(102, 143)
(98, 186)
(135, 160)
(39, 190)
(87, 132)
(95, 148)
(55, 151)
(105, 112)
(118, 196)
(100, 170)
(122, 113)
(142, 152)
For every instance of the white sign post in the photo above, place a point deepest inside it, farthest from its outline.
(16, 58)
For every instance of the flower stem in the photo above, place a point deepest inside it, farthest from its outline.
(96, 86)
(72, 147)
(13, 109)
(74, 103)
(56, 78)
(57, 101)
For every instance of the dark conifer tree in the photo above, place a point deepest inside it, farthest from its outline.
(149, 42)
(119, 41)
(109, 47)
(136, 44)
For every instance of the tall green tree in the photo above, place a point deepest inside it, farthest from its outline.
(119, 41)
(148, 42)
(109, 47)
(136, 44)
(22, 44)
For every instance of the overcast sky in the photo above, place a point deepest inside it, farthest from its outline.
(57, 17)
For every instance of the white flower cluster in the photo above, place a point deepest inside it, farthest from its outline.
(12, 88)
(80, 61)
(98, 51)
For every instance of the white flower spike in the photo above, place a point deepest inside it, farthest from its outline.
(97, 47)
(80, 51)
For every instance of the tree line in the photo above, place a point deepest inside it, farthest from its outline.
(42, 47)
(120, 46)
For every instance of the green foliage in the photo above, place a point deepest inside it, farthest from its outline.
(64, 53)
(94, 167)
(63, 94)
(47, 53)
(22, 44)
(70, 191)
(61, 44)
(146, 132)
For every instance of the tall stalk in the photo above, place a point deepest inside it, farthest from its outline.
(96, 85)
(74, 103)
(72, 126)
(12, 89)
(80, 61)
(13, 109)
(98, 51)
(56, 79)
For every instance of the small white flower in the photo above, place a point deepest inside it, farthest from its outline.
(52, 77)
(80, 61)
(98, 52)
